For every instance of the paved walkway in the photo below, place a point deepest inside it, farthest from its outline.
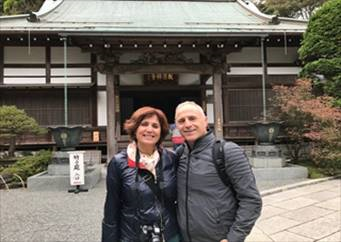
(309, 213)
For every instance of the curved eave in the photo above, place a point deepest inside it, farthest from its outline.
(156, 32)
(247, 6)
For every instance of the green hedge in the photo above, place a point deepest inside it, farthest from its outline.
(27, 166)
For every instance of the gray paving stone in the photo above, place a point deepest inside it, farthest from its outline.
(306, 214)
(276, 224)
(331, 204)
(286, 236)
(270, 211)
(322, 195)
(258, 235)
(332, 238)
(295, 203)
(316, 229)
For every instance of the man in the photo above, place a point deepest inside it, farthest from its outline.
(208, 210)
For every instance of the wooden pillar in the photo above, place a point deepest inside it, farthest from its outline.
(225, 97)
(93, 91)
(48, 64)
(111, 119)
(1, 64)
(264, 75)
(218, 105)
(203, 79)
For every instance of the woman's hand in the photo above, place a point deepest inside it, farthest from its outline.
(224, 240)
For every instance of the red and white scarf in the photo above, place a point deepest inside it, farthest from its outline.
(147, 162)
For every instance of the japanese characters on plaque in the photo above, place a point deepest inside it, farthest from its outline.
(76, 168)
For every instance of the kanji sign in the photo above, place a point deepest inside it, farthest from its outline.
(76, 167)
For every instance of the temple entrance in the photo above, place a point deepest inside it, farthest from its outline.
(166, 100)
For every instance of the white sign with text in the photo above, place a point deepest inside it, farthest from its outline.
(76, 167)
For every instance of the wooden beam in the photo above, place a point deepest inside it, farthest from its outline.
(226, 103)
(203, 79)
(111, 122)
(264, 74)
(118, 69)
(93, 91)
(1, 64)
(218, 105)
(48, 64)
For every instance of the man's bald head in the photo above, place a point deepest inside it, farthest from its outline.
(190, 105)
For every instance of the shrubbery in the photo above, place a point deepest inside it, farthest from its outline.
(311, 118)
(321, 50)
(15, 122)
(27, 166)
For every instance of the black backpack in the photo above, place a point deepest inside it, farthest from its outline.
(218, 159)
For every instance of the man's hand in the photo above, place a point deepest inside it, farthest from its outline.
(224, 240)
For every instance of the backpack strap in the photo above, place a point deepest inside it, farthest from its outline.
(219, 161)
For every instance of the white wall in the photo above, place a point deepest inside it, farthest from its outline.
(131, 79)
(189, 79)
(24, 75)
(102, 108)
(101, 79)
(74, 55)
(74, 75)
(258, 71)
(36, 55)
(24, 55)
(253, 55)
(24, 80)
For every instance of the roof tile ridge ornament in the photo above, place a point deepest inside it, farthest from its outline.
(48, 6)
(32, 17)
(252, 8)
(273, 19)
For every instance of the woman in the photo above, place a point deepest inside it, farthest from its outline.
(141, 184)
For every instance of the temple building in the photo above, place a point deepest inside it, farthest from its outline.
(103, 59)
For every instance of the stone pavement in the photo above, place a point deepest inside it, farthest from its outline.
(308, 213)
(304, 214)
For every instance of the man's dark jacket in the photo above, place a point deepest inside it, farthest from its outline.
(130, 204)
(208, 210)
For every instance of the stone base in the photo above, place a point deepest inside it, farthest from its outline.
(290, 172)
(46, 182)
(267, 162)
(271, 151)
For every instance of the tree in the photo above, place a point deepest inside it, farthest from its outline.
(11, 7)
(15, 122)
(321, 49)
(308, 117)
(290, 8)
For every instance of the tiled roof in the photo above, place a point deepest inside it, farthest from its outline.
(207, 18)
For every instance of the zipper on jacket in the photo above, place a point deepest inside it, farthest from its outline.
(187, 217)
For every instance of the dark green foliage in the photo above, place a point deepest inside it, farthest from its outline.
(290, 8)
(15, 122)
(12, 7)
(331, 168)
(321, 49)
(27, 166)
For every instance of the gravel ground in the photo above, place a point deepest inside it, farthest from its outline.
(59, 216)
